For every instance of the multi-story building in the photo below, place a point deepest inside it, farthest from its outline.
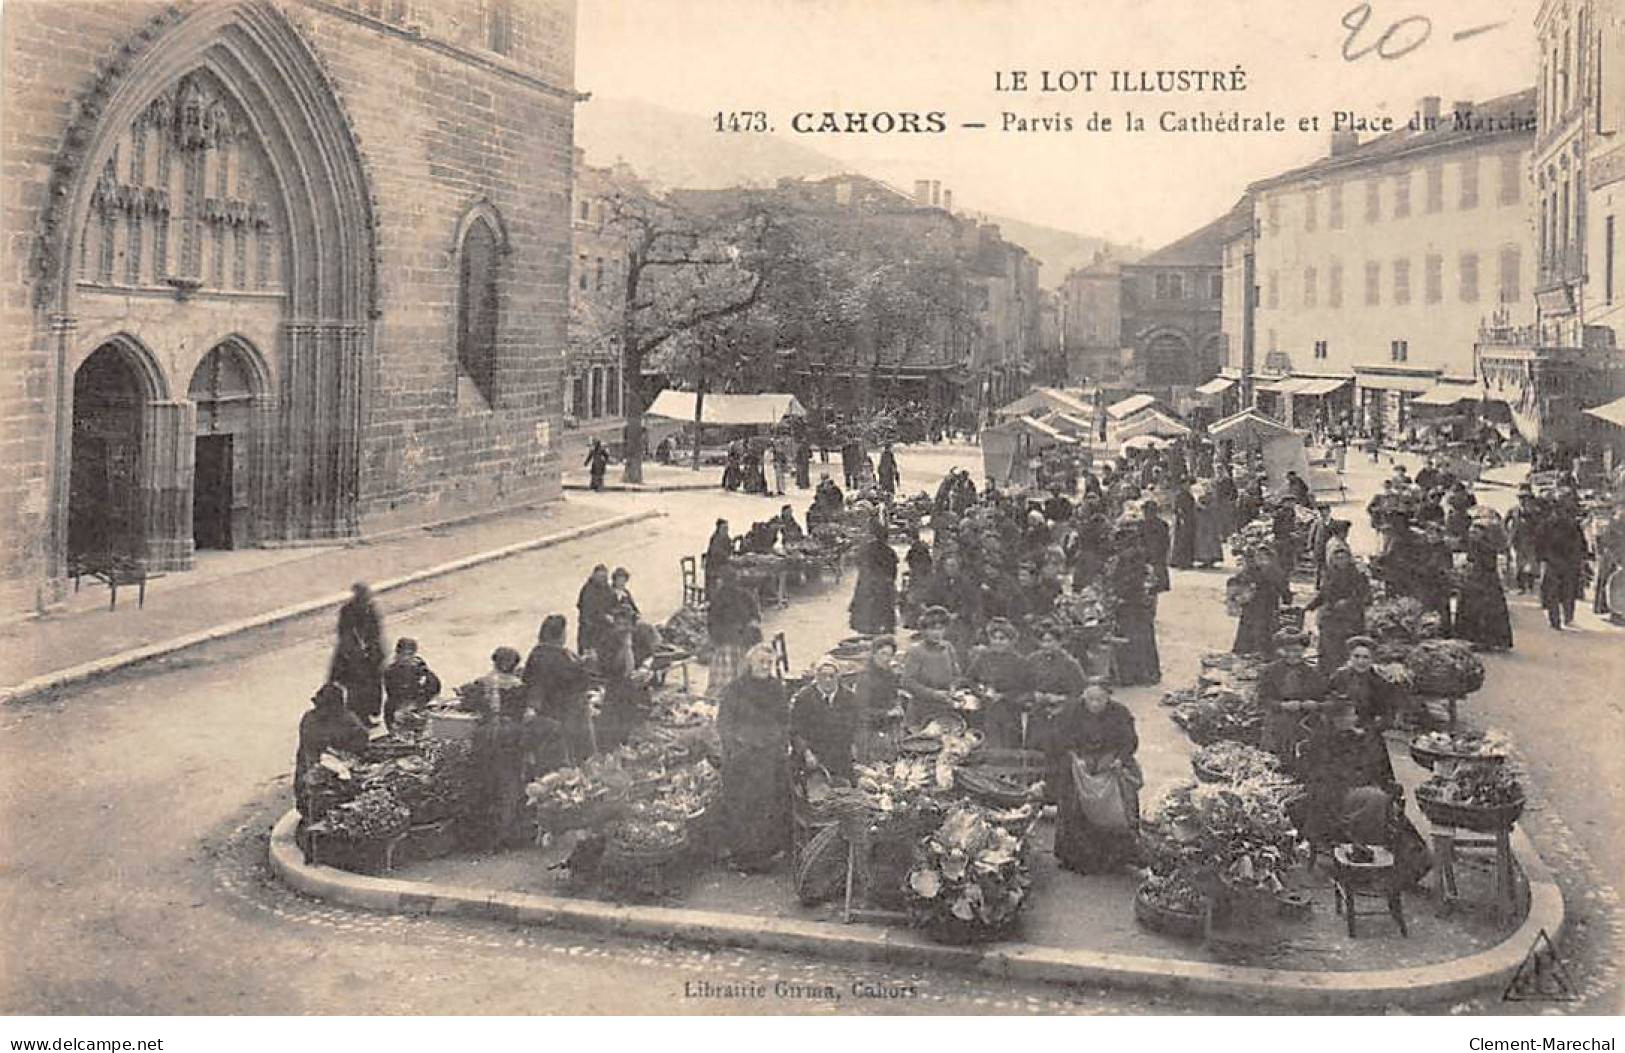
(1092, 327)
(278, 270)
(1375, 266)
(1558, 355)
(1050, 362)
(593, 382)
(1153, 323)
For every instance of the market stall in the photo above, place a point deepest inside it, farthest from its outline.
(1281, 447)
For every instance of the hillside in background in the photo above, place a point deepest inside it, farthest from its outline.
(674, 149)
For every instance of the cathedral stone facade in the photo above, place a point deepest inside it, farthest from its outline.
(276, 271)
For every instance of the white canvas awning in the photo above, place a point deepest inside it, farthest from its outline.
(1612, 412)
(1155, 423)
(767, 408)
(1130, 406)
(1047, 400)
(1248, 425)
(1216, 386)
(1319, 386)
(1447, 395)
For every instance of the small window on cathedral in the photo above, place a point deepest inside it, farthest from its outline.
(499, 25)
(477, 314)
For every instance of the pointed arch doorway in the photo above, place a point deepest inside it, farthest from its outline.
(112, 390)
(228, 391)
(222, 173)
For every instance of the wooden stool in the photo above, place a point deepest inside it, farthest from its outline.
(1374, 880)
(1449, 841)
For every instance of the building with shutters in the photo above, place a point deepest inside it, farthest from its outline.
(1377, 264)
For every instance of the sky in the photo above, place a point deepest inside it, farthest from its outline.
(789, 56)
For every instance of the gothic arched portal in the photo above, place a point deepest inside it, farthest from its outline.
(221, 171)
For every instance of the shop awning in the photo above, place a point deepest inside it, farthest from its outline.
(765, 408)
(1318, 387)
(1447, 395)
(1612, 412)
(1216, 387)
(1130, 406)
(1415, 383)
(1287, 386)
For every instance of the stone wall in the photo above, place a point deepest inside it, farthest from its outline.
(444, 128)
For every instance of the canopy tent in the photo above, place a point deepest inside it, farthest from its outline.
(1068, 424)
(1008, 448)
(1609, 412)
(1248, 428)
(1216, 387)
(1144, 442)
(1154, 422)
(767, 408)
(1130, 406)
(1040, 401)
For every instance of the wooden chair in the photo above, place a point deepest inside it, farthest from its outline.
(114, 570)
(693, 591)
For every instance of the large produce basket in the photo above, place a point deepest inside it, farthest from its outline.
(1166, 920)
(1483, 819)
(452, 724)
(994, 787)
(369, 856)
(1428, 758)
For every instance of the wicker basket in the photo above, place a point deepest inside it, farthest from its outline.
(1206, 774)
(371, 856)
(639, 870)
(1158, 918)
(1428, 758)
(993, 788)
(1483, 819)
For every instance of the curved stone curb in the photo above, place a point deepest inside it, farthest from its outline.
(1488, 970)
(135, 656)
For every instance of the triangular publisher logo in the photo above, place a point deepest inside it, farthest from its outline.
(1542, 977)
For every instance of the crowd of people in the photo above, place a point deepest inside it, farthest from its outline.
(994, 595)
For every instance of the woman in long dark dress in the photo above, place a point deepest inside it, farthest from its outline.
(1481, 604)
(358, 657)
(1208, 534)
(1096, 734)
(1342, 599)
(1128, 579)
(753, 721)
(1182, 553)
(1156, 541)
(874, 599)
(1260, 589)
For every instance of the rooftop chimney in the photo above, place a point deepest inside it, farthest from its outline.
(936, 192)
(1428, 105)
(922, 192)
(1344, 141)
(947, 200)
(1463, 108)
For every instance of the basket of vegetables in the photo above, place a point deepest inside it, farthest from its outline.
(1172, 905)
(1221, 715)
(1228, 761)
(1437, 748)
(970, 879)
(1483, 798)
(360, 835)
(994, 788)
(1444, 668)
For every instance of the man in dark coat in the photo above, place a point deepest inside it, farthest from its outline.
(597, 461)
(888, 473)
(358, 658)
(1561, 548)
(803, 463)
(824, 723)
